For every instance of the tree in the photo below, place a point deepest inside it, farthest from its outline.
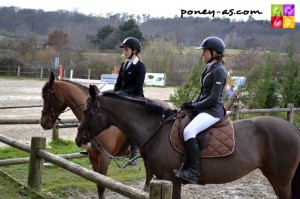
(106, 38)
(58, 39)
(291, 78)
(103, 32)
(161, 56)
(262, 87)
(266, 94)
(190, 89)
(129, 29)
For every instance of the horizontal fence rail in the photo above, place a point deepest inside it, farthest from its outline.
(158, 189)
(32, 121)
(290, 111)
(26, 148)
(12, 107)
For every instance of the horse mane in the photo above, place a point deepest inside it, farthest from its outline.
(148, 103)
(81, 87)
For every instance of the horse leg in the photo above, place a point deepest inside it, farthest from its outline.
(103, 163)
(280, 183)
(176, 194)
(296, 184)
(100, 164)
(148, 179)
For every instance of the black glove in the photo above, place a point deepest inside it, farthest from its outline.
(187, 106)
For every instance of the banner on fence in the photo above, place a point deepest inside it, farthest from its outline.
(151, 79)
(155, 79)
(109, 78)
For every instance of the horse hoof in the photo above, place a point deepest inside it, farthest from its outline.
(146, 188)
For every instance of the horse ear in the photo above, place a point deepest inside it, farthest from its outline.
(96, 89)
(92, 92)
(51, 79)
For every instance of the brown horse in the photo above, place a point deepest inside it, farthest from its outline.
(267, 143)
(57, 96)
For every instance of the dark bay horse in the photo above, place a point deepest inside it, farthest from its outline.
(57, 96)
(267, 143)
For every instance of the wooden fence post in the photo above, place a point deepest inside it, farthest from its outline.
(41, 76)
(19, 69)
(36, 164)
(236, 112)
(160, 189)
(55, 132)
(290, 114)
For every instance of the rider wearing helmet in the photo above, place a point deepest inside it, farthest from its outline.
(132, 71)
(208, 105)
(131, 77)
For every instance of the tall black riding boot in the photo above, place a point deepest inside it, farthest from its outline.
(191, 173)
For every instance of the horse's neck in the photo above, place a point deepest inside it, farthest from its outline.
(132, 119)
(75, 99)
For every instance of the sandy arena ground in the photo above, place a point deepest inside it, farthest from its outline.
(28, 92)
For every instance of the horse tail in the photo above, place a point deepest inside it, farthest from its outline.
(296, 184)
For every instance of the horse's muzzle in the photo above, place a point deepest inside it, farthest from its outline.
(82, 140)
(46, 125)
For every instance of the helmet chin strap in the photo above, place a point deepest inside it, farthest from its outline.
(132, 53)
(212, 56)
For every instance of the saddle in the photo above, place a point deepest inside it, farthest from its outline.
(216, 141)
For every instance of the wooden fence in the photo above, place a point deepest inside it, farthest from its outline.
(159, 189)
(290, 111)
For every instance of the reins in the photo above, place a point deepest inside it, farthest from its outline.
(96, 143)
(161, 124)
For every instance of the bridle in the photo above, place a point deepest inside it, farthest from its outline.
(86, 129)
(53, 115)
(96, 143)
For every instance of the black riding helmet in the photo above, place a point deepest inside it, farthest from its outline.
(132, 43)
(213, 43)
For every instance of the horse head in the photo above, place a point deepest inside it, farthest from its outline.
(53, 104)
(90, 124)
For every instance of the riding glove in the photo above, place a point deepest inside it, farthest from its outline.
(187, 106)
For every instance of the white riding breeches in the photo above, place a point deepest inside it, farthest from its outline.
(201, 122)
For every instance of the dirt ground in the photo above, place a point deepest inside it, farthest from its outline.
(28, 92)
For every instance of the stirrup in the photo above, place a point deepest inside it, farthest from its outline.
(192, 179)
(177, 172)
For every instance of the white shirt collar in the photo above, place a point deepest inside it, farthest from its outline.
(133, 60)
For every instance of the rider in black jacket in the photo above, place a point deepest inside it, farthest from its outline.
(208, 105)
(131, 77)
(132, 72)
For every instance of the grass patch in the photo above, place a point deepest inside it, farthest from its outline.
(9, 188)
(59, 183)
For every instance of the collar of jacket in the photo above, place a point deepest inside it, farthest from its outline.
(212, 66)
(133, 60)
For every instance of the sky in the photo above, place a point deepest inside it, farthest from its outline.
(161, 8)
